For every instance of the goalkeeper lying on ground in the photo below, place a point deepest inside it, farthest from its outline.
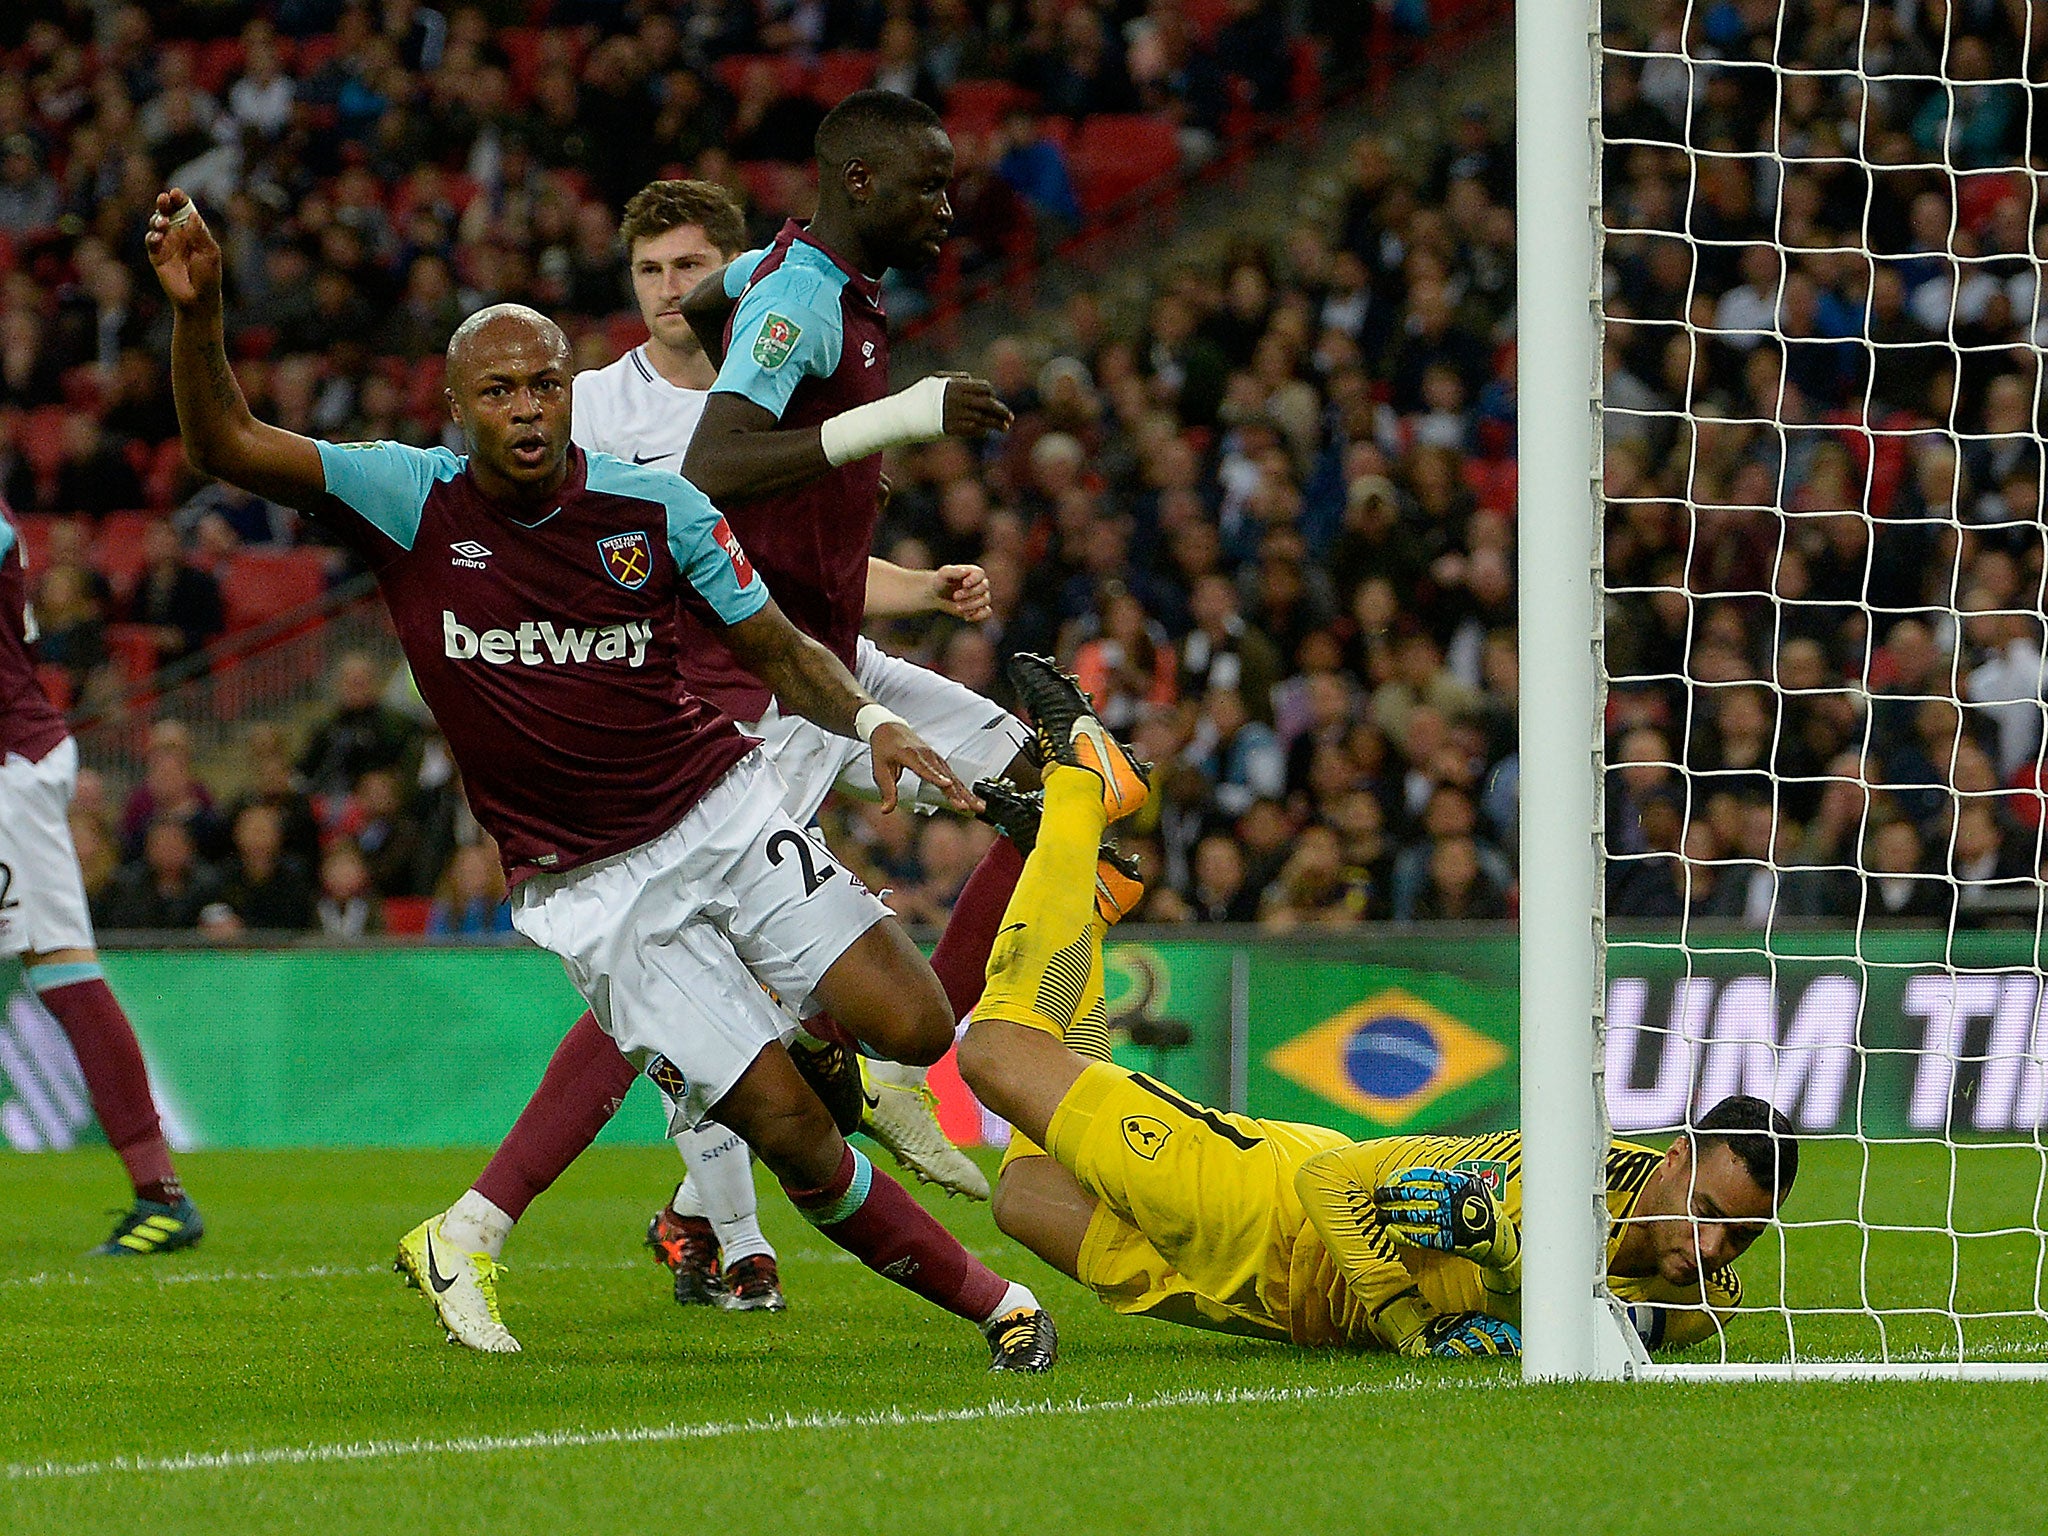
(1168, 1209)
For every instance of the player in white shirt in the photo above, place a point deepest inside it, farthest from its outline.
(644, 407)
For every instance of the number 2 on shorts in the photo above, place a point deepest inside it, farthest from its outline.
(814, 874)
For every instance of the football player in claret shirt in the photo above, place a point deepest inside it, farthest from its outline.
(1168, 1209)
(536, 591)
(645, 406)
(43, 919)
(789, 435)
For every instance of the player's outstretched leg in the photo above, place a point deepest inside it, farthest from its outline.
(874, 1218)
(585, 1082)
(162, 1218)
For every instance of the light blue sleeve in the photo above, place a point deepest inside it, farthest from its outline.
(740, 270)
(705, 548)
(386, 484)
(785, 331)
(7, 533)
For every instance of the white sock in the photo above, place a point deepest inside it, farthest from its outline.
(474, 1225)
(1016, 1298)
(686, 1202)
(722, 1175)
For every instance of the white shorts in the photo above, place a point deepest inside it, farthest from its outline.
(678, 944)
(42, 894)
(977, 738)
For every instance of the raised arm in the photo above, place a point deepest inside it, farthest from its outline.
(808, 680)
(221, 437)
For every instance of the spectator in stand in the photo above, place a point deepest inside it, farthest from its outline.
(348, 907)
(270, 783)
(1240, 756)
(1314, 887)
(1221, 894)
(180, 603)
(1127, 668)
(1896, 885)
(94, 476)
(28, 195)
(71, 635)
(30, 374)
(264, 887)
(361, 733)
(469, 901)
(1458, 887)
(1223, 651)
(170, 791)
(388, 836)
(1036, 168)
(166, 888)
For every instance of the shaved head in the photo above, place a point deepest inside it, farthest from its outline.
(508, 388)
(501, 326)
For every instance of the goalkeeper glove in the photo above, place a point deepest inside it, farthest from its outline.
(1448, 1211)
(1466, 1336)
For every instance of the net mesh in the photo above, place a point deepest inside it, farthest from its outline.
(1824, 309)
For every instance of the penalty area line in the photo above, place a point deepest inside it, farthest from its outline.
(664, 1434)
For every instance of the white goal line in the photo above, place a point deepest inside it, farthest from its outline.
(664, 1434)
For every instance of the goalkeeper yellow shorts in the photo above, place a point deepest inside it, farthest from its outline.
(1198, 1215)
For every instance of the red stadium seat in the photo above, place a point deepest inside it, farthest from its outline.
(6, 252)
(981, 104)
(522, 51)
(117, 548)
(81, 386)
(793, 74)
(134, 650)
(1206, 17)
(56, 683)
(42, 439)
(217, 63)
(1117, 154)
(407, 915)
(840, 74)
(259, 585)
(313, 52)
(777, 189)
(622, 333)
(166, 473)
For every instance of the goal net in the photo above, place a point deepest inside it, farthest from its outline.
(1821, 311)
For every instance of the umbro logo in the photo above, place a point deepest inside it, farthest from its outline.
(867, 352)
(469, 554)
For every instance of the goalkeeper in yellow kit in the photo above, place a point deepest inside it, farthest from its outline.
(1168, 1209)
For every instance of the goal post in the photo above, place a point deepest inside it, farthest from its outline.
(1564, 1130)
(1799, 339)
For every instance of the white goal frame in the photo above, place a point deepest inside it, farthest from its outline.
(1572, 1328)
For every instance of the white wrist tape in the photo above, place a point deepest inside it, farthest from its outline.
(913, 415)
(870, 718)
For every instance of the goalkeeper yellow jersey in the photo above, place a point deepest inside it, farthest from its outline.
(1345, 1273)
(1268, 1227)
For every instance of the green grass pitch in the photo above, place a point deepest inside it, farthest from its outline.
(285, 1340)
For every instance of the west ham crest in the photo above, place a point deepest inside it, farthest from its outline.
(628, 559)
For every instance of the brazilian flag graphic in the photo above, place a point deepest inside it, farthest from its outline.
(1409, 1051)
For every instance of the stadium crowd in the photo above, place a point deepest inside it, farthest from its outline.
(1826, 588)
(1269, 520)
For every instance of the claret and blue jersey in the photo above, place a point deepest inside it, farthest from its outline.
(807, 340)
(549, 647)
